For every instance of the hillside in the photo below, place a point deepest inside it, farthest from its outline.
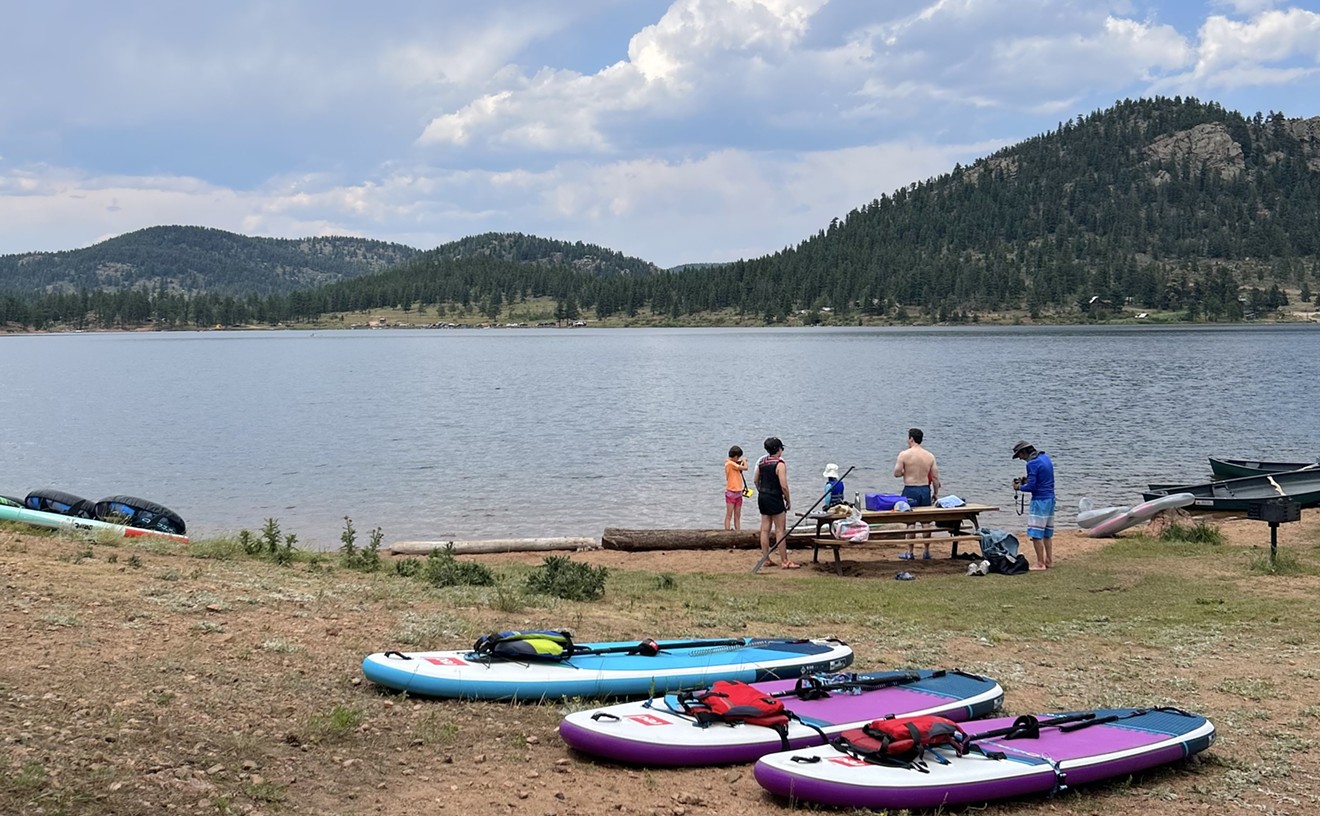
(195, 260)
(518, 248)
(1173, 205)
(1163, 203)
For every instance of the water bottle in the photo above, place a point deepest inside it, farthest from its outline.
(857, 500)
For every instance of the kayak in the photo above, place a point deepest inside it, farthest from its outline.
(1068, 749)
(661, 732)
(80, 526)
(610, 669)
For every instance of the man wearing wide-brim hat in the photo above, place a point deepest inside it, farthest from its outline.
(1040, 484)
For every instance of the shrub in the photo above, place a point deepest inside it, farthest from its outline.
(562, 577)
(443, 569)
(1198, 533)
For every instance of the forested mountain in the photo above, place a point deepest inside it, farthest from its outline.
(1170, 204)
(1166, 203)
(196, 260)
(519, 248)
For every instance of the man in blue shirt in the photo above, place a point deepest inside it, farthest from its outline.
(1040, 518)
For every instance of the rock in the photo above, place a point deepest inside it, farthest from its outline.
(533, 740)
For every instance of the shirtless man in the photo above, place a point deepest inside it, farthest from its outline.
(921, 481)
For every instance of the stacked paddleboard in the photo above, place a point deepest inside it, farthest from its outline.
(661, 731)
(602, 670)
(77, 525)
(1069, 749)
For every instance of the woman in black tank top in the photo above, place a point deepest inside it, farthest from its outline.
(772, 500)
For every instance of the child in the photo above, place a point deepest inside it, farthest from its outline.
(834, 485)
(734, 483)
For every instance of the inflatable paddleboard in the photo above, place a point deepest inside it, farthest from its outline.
(658, 732)
(1081, 747)
(616, 669)
(1139, 513)
(80, 526)
(1088, 515)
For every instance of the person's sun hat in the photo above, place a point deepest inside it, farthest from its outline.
(1021, 446)
(831, 471)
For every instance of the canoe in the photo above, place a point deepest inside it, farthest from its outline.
(601, 670)
(1145, 511)
(658, 732)
(1238, 468)
(1118, 742)
(80, 526)
(1301, 486)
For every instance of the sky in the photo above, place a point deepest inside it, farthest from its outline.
(677, 131)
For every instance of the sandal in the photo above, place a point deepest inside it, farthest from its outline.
(790, 565)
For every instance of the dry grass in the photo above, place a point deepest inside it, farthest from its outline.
(150, 680)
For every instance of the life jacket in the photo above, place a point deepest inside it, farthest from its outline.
(903, 741)
(542, 645)
(734, 702)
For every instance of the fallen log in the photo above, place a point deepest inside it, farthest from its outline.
(494, 545)
(617, 538)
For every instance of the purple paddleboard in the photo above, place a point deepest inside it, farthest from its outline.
(659, 733)
(1076, 751)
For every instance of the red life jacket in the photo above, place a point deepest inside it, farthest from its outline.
(902, 741)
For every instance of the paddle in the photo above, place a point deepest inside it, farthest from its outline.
(807, 689)
(784, 537)
(1029, 726)
(651, 647)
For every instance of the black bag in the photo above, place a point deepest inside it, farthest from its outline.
(1008, 566)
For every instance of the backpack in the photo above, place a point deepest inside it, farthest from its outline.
(543, 645)
(903, 742)
(734, 702)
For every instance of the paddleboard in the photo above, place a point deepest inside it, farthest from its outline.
(1139, 513)
(1088, 516)
(1117, 743)
(657, 732)
(617, 673)
(80, 526)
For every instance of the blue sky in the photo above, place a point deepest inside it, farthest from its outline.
(677, 131)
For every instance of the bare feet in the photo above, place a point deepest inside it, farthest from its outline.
(1035, 567)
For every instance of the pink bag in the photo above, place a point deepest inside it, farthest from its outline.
(851, 530)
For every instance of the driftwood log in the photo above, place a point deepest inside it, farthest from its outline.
(617, 538)
(497, 545)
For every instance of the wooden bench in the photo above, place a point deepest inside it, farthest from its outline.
(835, 543)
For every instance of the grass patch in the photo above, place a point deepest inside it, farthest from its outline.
(427, 632)
(339, 723)
(1198, 532)
(1284, 563)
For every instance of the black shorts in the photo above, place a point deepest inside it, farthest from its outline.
(770, 504)
(917, 495)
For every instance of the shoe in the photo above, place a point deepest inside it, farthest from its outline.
(790, 565)
(983, 568)
(925, 556)
(905, 556)
(973, 569)
(905, 576)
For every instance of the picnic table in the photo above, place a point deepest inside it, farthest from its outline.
(952, 524)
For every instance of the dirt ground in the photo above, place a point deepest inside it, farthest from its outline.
(145, 682)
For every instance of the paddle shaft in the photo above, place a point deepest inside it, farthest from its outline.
(661, 646)
(784, 537)
(865, 685)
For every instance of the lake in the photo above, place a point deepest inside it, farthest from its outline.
(440, 434)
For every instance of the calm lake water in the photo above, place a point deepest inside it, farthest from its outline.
(435, 434)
